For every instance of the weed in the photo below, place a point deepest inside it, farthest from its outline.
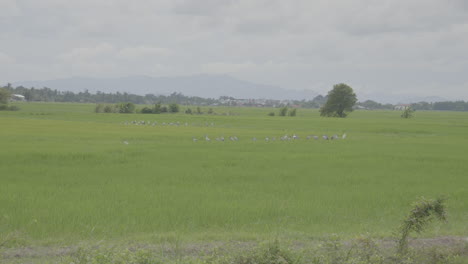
(420, 216)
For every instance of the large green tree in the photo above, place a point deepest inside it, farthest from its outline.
(340, 101)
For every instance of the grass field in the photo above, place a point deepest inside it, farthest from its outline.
(66, 175)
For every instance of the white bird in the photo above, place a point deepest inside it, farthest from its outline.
(325, 137)
(194, 139)
(125, 142)
(315, 137)
(344, 136)
(207, 138)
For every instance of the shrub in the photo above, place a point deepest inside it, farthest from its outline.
(157, 108)
(99, 108)
(188, 111)
(108, 109)
(293, 112)
(283, 111)
(126, 108)
(420, 216)
(210, 111)
(174, 108)
(146, 110)
(408, 113)
(271, 114)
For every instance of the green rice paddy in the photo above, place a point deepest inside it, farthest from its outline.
(67, 174)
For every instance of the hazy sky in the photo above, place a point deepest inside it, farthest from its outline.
(385, 46)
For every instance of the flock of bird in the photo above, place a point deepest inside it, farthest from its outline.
(206, 138)
(268, 139)
(155, 123)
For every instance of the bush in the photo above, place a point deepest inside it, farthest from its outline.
(174, 108)
(146, 110)
(126, 108)
(292, 112)
(271, 114)
(408, 113)
(5, 107)
(108, 109)
(188, 111)
(157, 108)
(210, 111)
(420, 216)
(283, 111)
(99, 108)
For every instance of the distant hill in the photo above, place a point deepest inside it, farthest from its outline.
(400, 98)
(207, 86)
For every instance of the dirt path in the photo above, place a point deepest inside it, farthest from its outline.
(206, 248)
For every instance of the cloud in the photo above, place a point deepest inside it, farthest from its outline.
(9, 8)
(142, 52)
(302, 44)
(6, 59)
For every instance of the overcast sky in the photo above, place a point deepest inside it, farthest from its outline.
(386, 46)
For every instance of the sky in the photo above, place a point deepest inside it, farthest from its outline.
(404, 47)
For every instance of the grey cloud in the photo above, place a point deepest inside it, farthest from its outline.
(392, 45)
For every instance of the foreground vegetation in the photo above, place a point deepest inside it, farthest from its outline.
(67, 177)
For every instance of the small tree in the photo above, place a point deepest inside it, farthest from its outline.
(210, 111)
(283, 111)
(174, 108)
(108, 109)
(292, 112)
(199, 111)
(188, 111)
(340, 101)
(157, 108)
(99, 108)
(408, 113)
(146, 110)
(126, 108)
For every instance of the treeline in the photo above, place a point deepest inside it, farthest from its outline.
(48, 95)
(127, 108)
(441, 106)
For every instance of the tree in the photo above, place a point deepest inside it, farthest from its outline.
(293, 112)
(157, 108)
(340, 101)
(126, 108)
(408, 113)
(283, 111)
(174, 108)
(4, 96)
